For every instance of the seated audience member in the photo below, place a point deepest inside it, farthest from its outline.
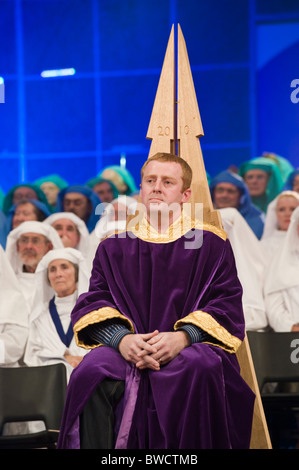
(23, 191)
(250, 267)
(13, 316)
(163, 323)
(105, 189)
(292, 182)
(61, 276)
(82, 201)
(26, 245)
(121, 178)
(51, 185)
(277, 221)
(263, 179)
(281, 287)
(112, 220)
(229, 190)
(71, 229)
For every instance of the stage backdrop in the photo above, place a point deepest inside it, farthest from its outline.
(79, 78)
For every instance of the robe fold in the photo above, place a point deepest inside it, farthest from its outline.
(162, 281)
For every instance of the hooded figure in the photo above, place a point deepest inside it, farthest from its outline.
(82, 238)
(121, 178)
(275, 229)
(105, 189)
(51, 185)
(292, 182)
(274, 184)
(87, 210)
(50, 335)
(23, 191)
(281, 288)
(52, 240)
(253, 216)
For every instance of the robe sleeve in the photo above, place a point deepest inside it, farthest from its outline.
(220, 312)
(95, 306)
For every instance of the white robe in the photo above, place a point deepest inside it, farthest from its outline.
(281, 287)
(13, 316)
(250, 267)
(44, 345)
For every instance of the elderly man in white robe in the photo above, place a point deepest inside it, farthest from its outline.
(26, 245)
(60, 277)
(71, 229)
(281, 288)
(13, 316)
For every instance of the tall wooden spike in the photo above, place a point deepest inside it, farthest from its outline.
(175, 127)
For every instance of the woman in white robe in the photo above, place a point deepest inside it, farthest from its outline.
(281, 287)
(71, 229)
(250, 267)
(13, 316)
(51, 338)
(277, 221)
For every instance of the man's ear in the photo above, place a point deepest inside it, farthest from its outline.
(186, 195)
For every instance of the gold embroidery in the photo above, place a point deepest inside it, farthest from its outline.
(207, 323)
(98, 316)
(179, 228)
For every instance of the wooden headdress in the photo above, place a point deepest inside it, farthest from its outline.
(175, 127)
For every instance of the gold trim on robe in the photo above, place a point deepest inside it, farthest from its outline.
(98, 316)
(206, 322)
(182, 225)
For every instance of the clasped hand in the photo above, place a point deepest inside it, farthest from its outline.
(151, 350)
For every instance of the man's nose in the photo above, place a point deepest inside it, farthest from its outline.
(157, 186)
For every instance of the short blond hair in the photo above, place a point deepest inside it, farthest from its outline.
(169, 157)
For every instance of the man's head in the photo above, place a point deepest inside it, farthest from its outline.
(78, 204)
(104, 190)
(26, 210)
(165, 180)
(31, 248)
(23, 192)
(256, 181)
(68, 232)
(226, 195)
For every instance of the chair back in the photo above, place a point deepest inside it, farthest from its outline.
(274, 356)
(33, 394)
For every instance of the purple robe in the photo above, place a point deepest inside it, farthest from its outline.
(199, 399)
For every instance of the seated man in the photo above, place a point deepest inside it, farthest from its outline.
(163, 319)
(229, 190)
(26, 245)
(82, 201)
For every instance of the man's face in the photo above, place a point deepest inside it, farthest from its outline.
(23, 192)
(226, 195)
(78, 204)
(22, 213)
(256, 181)
(51, 191)
(162, 183)
(32, 247)
(68, 232)
(104, 191)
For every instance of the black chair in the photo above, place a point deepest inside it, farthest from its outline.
(276, 362)
(32, 394)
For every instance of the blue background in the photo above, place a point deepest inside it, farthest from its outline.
(243, 55)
